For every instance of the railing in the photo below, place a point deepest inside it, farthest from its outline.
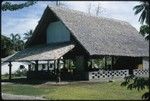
(141, 72)
(107, 74)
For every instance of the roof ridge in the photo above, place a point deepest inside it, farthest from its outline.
(87, 14)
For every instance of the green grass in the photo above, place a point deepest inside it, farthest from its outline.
(96, 91)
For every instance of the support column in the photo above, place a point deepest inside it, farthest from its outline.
(105, 61)
(64, 63)
(112, 62)
(55, 66)
(48, 66)
(58, 71)
(36, 65)
(69, 64)
(91, 64)
(29, 68)
(86, 59)
(10, 67)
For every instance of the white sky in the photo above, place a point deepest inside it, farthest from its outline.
(23, 20)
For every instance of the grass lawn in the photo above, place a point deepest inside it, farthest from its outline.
(96, 91)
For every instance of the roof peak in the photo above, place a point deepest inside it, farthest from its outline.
(87, 14)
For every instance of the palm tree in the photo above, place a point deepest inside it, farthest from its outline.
(6, 46)
(145, 31)
(144, 9)
(16, 41)
(28, 35)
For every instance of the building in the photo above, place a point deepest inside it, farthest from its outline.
(63, 34)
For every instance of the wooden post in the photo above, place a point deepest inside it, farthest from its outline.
(105, 61)
(86, 63)
(29, 68)
(58, 71)
(92, 63)
(64, 63)
(36, 65)
(112, 62)
(69, 64)
(48, 65)
(10, 65)
(55, 66)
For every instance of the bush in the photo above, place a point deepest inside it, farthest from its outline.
(139, 83)
(22, 71)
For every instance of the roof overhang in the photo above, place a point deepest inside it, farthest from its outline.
(41, 52)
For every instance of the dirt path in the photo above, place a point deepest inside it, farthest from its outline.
(20, 97)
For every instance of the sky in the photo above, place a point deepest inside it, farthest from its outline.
(21, 21)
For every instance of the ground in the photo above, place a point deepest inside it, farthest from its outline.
(76, 90)
(19, 97)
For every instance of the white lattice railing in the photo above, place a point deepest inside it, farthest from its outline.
(107, 74)
(141, 72)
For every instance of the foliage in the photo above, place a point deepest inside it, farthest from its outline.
(145, 31)
(139, 83)
(6, 46)
(10, 45)
(12, 7)
(22, 71)
(18, 44)
(100, 63)
(69, 64)
(28, 34)
(75, 91)
(144, 9)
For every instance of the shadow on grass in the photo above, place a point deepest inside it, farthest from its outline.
(26, 81)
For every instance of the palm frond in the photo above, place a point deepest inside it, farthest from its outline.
(142, 17)
(138, 10)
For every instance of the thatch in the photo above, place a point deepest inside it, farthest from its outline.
(103, 36)
(41, 52)
(98, 35)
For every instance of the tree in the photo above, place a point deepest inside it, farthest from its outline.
(57, 3)
(28, 34)
(133, 82)
(6, 46)
(17, 43)
(21, 71)
(145, 31)
(12, 7)
(96, 10)
(144, 9)
(139, 83)
(89, 8)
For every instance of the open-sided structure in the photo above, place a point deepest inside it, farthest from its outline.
(68, 34)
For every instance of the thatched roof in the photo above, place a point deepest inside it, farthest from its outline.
(41, 52)
(99, 35)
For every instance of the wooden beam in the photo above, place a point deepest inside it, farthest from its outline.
(10, 67)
